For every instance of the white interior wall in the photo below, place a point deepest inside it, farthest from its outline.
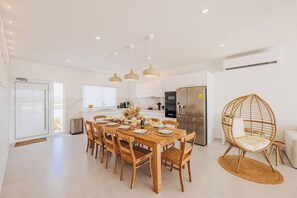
(4, 131)
(276, 84)
(73, 80)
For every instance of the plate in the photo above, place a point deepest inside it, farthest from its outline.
(165, 131)
(111, 124)
(124, 127)
(101, 121)
(159, 126)
(140, 131)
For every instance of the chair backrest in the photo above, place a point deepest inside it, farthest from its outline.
(98, 133)
(89, 129)
(170, 123)
(126, 151)
(109, 142)
(187, 151)
(155, 119)
(99, 116)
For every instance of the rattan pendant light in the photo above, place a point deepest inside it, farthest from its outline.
(115, 78)
(131, 76)
(150, 72)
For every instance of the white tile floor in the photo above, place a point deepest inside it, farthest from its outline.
(60, 167)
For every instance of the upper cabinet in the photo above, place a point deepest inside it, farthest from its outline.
(149, 89)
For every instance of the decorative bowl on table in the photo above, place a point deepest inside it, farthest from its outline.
(159, 126)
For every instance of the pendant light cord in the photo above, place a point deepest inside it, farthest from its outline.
(151, 51)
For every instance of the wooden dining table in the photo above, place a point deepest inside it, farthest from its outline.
(154, 140)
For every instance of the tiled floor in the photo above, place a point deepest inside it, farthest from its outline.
(60, 167)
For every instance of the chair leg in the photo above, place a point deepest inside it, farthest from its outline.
(171, 166)
(150, 167)
(242, 153)
(102, 154)
(266, 156)
(181, 178)
(280, 156)
(189, 171)
(115, 163)
(96, 152)
(270, 151)
(228, 149)
(106, 164)
(122, 169)
(93, 146)
(276, 156)
(88, 142)
(133, 176)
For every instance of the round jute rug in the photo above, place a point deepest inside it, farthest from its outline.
(251, 170)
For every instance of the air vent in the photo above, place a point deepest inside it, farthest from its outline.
(254, 60)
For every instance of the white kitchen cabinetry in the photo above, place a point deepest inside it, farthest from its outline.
(149, 89)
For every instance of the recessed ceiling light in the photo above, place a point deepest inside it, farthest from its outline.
(98, 37)
(68, 60)
(148, 57)
(222, 45)
(9, 6)
(10, 22)
(204, 11)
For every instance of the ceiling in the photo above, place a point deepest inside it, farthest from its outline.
(52, 31)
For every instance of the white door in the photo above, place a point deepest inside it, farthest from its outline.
(31, 109)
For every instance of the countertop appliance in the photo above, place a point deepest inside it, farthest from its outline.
(191, 112)
(170, 104)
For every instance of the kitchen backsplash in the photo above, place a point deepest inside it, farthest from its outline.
(147, 102)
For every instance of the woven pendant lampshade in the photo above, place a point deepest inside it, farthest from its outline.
(131, 76)
(150, 72)
(115, 79)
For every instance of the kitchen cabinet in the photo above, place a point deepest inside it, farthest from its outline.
(149, 89)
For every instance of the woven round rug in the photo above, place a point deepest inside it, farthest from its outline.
(251, 170)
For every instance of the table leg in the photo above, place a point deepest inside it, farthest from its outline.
(157, 168)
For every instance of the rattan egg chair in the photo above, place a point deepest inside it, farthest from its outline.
(249, 125)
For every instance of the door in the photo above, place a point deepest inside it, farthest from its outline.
(197, 113)
(31, 109)
(181, 108)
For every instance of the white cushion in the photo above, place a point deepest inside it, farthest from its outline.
(238, 127)
(252, 143)
(291, 146)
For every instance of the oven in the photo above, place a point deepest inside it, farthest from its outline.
(170, 104)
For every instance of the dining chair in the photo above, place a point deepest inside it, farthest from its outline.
(99, 116)
(136, 156)
(180, 157)
(90, 135)
(170, 123)
(156, 120)
(110, 147)
(98, 135)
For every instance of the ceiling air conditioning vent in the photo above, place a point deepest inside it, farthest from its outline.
(253, 60)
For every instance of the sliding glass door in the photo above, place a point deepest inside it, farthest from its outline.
(31, 109)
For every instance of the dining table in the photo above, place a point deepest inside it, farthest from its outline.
(154, 140)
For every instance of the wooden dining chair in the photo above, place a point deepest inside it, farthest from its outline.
(99, 117)
(155, 120)
(90, 135)
(98, 135)
(110, 147)
(180, 157)
(136, 156)
(170, 123)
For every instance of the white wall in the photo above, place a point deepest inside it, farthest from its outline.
(73, 80)
(276, 84)
(4, 131)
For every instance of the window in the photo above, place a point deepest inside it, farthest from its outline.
(100, 97)
(58, 107)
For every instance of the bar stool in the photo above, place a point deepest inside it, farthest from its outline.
(279, 146)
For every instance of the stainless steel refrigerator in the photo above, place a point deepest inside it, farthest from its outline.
(191, 111)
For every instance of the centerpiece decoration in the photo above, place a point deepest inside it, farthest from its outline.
(131, 112)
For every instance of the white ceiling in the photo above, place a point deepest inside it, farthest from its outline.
(51, 31)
